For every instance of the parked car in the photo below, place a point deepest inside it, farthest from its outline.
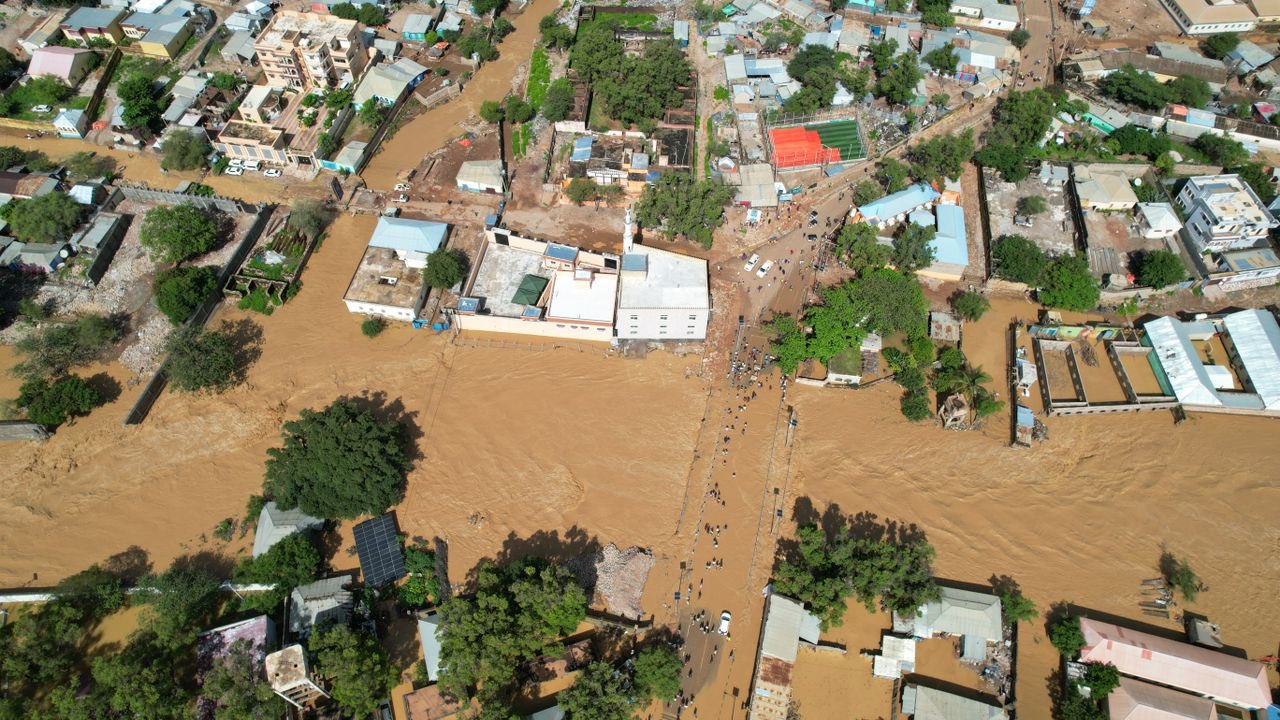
(764, 269)
(400, 198)
(252, 165)
(751, 263)
(236, 162)
(233, 170)
(41, 109)
(403, 187)
(725, 617)
(272, 172)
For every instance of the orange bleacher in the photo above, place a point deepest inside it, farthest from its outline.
(796, 146)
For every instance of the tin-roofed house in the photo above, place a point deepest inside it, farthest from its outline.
(96, 243)
(69, 65)
(482, 176)
(973, 616)
(922, 702)
(87, 23)
(786, 625)
(388, 82)
(275, 524)
(323, 601)
(893, 209)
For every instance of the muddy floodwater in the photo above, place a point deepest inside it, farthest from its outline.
(430, 131)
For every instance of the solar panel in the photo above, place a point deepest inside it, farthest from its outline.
(377, 543)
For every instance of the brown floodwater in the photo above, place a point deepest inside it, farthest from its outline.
(431, 130)
(1081, 518)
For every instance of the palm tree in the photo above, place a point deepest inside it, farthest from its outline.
(968, 381)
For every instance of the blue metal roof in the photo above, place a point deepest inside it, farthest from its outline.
(423, 236)
(1025, 418)
(468, 304)
(561, 252)
(901, 202)
(1250, 56)
(635, 261)
(950, 244)
(582, 149)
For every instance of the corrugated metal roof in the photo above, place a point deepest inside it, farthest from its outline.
(420, 236)
(782, 628)
(429, 635)
(1256, 337)
(951, 243)
(1176, 664)
(974, 615)
(275, 525)
(934, 704)
(1137, 700)
(903, 201)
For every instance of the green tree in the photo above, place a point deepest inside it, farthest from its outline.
(657, 673)
(1220, 150)
(581, 190)
(1009, 160)
(515, 612)
(179, 291)
(1018, 259)
(1182, 577)
(338, 99)
(1160, 268)
(238, 686)
(1019, 38)
(491, 111)
(225, 81)
(1218, 45)
(517, 110)
(889, 301)
(1065, 635)
(174, 233)
(914, 405)
(55, 349)
(943, 156)
(942, 59)
(308, 216)
(911, 249)
(970, 305)
(90, 165)
(898, 85)
(1130, 85)
(1256, 175)
(788, 344)
(289, 563)
(53, 403)
(679, 206)
(857, 247)
(45, 219)
(1101, 679)
(599, 693)
(372, 113)
(356, 666)
(141, 111)
(555, 34)
(373, 327)
(866, 191)
(837, 324)
(185, 150)
(1022, 118)
(338, 463)
(893, 175)
(1189, 90)
(371, 15)
(1068, 284)
(178, 601)
(558, 101)
(422, 585)
(445, 268)
(1017, 607)
(1032, 205)
(326, 146)
(200, 359)
(139, 682)
(825, 568)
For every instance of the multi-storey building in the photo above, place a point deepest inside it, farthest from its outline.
(307, 50)
(1224, 213)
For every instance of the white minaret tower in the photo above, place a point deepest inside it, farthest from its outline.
(628, 233)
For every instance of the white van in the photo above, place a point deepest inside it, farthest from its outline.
(252, 165)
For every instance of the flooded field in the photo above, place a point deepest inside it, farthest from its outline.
(513, 441)
(1080, 518)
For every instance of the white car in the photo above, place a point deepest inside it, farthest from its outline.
(233, 170)
(751, 263)
(764, 269)
(236, 162)
(272, 172)
(252, 165)
(725, 617)
(41, 109)
(403, 187)
(400, 198)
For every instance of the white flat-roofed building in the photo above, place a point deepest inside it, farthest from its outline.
(1203, 17)
(664, 295)
(388, 281)
(582, 296)
(1224, 213)
(1247, 343)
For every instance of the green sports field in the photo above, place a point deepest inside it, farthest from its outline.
(843, 135)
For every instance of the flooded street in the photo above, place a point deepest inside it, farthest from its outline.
(431, 130)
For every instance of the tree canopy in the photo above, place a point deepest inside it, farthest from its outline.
(1218, 45)
(178, 601)
(515, 612)
(825, 568)
(338, 463)
(141, 111)
(558, 101)
(174, 233)
(942, 59)
(445, 268)
(237, 685)
(788, 345)
(897, 84)
(53, 403)
(857, 247)
(1065, 635)
(1021, 119)
(657, 673)
(1160, 268)
(942, 156)
(179, 291)
(911, 249)
(970, 305)
(55, 349)
(185, 150)
(1018, 259)
(599, 693)
(1068, 284)
(677, 205)
(633, 90)
(44, 219)
(1221, 150)
(200, 359)
(1130, 85)
(289, 563)
(356, 666)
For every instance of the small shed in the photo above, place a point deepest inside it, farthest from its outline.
(944, 327)
(482, 176)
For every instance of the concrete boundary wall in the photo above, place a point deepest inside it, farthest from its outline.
(147, 194)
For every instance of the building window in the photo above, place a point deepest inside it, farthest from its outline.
(635, 317)
(693, 317)
(662, 317)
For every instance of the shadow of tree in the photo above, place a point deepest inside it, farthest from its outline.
(14, 288)
(246, 340)
(1004, 585)
(130, 564)
(106, 386)
(212, 563)
(576, 550)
